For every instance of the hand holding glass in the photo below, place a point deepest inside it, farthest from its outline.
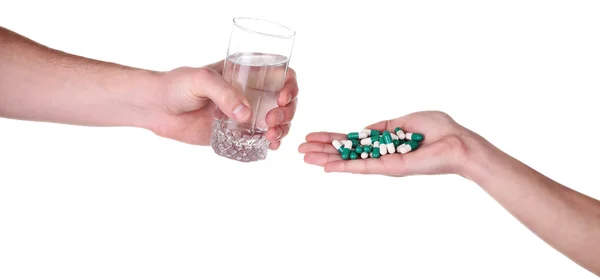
(256, 64)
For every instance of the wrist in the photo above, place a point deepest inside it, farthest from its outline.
(479, 159)
(145, 101)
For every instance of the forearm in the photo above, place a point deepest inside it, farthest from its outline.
(567, 220)
(42, 84)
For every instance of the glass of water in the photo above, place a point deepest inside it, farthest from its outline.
(256, 64)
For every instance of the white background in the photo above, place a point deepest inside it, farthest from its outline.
(83, 202)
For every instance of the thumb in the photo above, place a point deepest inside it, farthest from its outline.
(229, 100)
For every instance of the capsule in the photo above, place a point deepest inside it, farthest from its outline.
(371, 133)
(376, 151)
(338, 145)
(396, 143)
(394, 136)
(355, 143)
(357, 135)
(353, 155)
(347, 150)
(369, 141)
(383, 149)
(408, 146)
(359, 149)
(367, 149)
(387, 140)
(364, 155)
(401, 135)
(414, 137)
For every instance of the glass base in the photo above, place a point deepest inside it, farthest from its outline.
(236, 145)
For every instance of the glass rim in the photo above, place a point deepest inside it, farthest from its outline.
(291, 33)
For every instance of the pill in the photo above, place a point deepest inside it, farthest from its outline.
(396, 143)
(387, 140)
(408, 146)
(401, 135)
(383, 149)
(364, 155)
(355, 143)
(367, 148)
(369, 141)
(394, 136)
(338, 146)
(353, 155)
(346, 151)
(414, 137)
(371, 133)
(357, 135)
(376, 151)
(359, 149)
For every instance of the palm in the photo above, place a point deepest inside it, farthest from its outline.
(441, 151)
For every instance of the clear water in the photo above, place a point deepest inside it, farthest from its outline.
(260, 77)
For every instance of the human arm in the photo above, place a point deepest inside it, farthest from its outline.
(38, 83)
(567, 220)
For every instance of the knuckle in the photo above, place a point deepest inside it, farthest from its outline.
(204, 72)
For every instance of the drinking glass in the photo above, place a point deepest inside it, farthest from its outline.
(256, 64)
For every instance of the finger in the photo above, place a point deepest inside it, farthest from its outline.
(230, 101)
(275, 145)
(362, 166)
(290, 89)
(286, 130)
(320, 159)
(281, 115)
(308, 147)
(275, 134)
(325, 137)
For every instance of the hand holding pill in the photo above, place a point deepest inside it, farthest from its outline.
(427, 142)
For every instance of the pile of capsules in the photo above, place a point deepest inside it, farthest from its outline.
(374, 143)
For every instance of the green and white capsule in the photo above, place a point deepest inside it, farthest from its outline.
(394, 136)
(359, 149)
(357, 135)
(353, 155)
(369, 141)
(389, 143)
(364, 155)
(401, 135)
(371, 133)
(414, 136)
(376, 150)
(383, 149)
(367, 149)
(347, 150)
(338, 145)
(408, 147)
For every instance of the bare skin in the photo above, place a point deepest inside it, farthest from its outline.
(567, 220)
(38, 83)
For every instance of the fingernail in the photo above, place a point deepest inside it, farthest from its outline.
(279, 133)
(289, 99)
(279, 118)
(241, 112)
